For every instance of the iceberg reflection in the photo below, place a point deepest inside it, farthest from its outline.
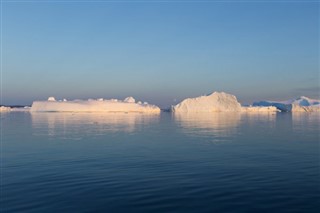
(302, 121)
(218, 124)
(265, 117)
(258, 122)
(77, 125)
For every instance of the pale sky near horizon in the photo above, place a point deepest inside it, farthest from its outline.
(160, 52)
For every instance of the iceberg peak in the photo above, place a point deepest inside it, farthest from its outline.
(214, 102)
(129, 100)
(51, 99)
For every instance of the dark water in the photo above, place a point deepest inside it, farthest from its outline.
(64, 162)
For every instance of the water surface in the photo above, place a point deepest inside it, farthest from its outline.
(218, 162)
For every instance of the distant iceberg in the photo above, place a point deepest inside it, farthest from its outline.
(259, 109)
(224, 102)
(91, 105)
(5, 109)
(301, 104)
(214, 102)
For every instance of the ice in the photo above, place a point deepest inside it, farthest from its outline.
(214, 102)
(51, 99)
(99, 105)
(254, 109)
(301, 104)
(223, 102)
(5, 109)
(130, 100)
(20, 109)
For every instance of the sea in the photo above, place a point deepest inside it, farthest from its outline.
(131, 162)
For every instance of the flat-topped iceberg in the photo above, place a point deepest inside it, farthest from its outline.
(259, 109)
(5, 109)
(91, 105)
(301, 104)
(214, 102)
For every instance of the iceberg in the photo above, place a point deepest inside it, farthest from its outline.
(91, 105)
(259, 109)
(51, 99)
(301, 104)
(214, 102)
(5, 109)
(130, 100)
(20, 109)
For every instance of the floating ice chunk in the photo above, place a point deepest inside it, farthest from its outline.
(259, 109)
(100, 99)
(14, 109)
(130, 100)
(20, 109)
(51, 99)
(5, 109)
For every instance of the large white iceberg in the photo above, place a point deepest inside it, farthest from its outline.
(214, 102)
(223, 102)
(301, 104)
(100, 105)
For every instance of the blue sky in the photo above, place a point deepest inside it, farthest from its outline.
(160, 52)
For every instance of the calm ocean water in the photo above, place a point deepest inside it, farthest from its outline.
(73, 162)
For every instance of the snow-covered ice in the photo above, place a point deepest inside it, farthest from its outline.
(254, 109)
(130, 100)
(100, 105)
(51, 99)
(214, 102)
(5, 109)
(301, 104)
(223, 102)
(20, 109)
(14, 109)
